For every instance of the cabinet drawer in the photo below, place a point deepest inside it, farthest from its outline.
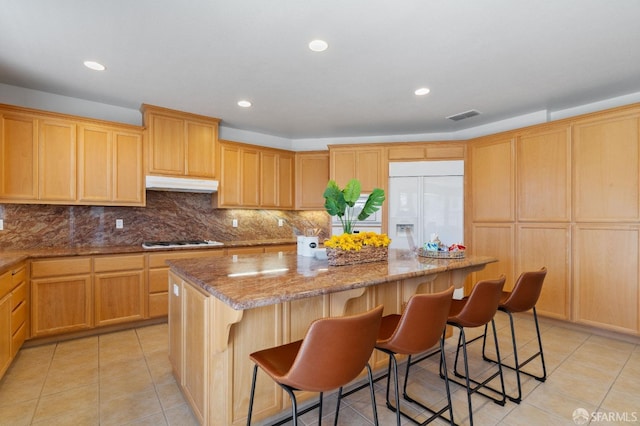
(159, 280)
(62, 266)
(158, 304)
(118, 263)
(5, 284)
(18, 317)
(18, 275)
(18, 295)
(18, 338)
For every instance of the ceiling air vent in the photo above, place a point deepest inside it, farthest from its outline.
(463, 115)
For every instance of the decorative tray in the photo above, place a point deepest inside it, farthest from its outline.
(441, 254)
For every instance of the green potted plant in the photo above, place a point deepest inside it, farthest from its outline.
(341, 202)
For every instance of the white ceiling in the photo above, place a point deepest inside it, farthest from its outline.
(504, 58)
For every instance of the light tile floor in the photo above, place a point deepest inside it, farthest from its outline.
(124, 378)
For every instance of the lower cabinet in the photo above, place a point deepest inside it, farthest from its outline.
(119, 289)
(13, 314)
(61, 296)
(188, 337)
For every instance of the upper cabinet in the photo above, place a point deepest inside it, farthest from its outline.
(51, 158)
(255, 177)
(180, 143)
(363, 163)
(312, 175)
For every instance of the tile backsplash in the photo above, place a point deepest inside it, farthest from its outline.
(167, 216)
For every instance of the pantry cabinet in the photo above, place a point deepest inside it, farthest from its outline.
(50, 158)
(110, 166)
(180, 143)
(312, 176)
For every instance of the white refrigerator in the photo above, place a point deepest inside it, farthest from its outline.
(425, 198)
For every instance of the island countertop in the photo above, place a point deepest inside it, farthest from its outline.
(250, 281)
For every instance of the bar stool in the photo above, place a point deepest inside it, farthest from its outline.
(474, 311)
(524, 296)
(419, 328)
(333, 352)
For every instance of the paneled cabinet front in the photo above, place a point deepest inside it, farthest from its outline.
(364, 164)
(255, 177)
(180, 143)
(119, 289)
(51, 158)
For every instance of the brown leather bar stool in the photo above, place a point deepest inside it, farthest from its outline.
(333, 353)
(418, 329)
(474, 311)
(524, 297)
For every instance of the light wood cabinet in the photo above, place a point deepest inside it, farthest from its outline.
(312, 176)
(110, 166)
(606, 168)
(255, 177)
(50, 158)
(158, 275)
(19, 159)
(544, 174)
(605, 268)
(362, 163)
(180, 143)
(5, 322)
(419, 151)
(61, 296)
(19, 308)
(57, 160)
(547, 244)
(497, 240)
(493, 180)
(119, 286)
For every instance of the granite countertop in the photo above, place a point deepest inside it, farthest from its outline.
(264, 279)
(9, 258)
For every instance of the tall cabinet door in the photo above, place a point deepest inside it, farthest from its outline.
(19, 157)
(57, 160)
(250, 163)
(200, 149)
(128, 176)
(94, 168)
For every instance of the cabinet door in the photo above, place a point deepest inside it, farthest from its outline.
(175, 326)
(5, 333)
(128, 176)
(343, 166)
(61, 304)
(369, 169)
(200, 149)
(250, 180)
(95, 159)
(606, 169)
(492, 181)
(119, 297)
(166, 145)
(312, 176)
(229, 193)
(57, 161)
(544, 175)
(18, 157)
(268, 179)
(196, 349)
(286, 175)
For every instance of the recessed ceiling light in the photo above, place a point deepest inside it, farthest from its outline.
(244, 104)
(96, 66)
(422, 91)
(318, 45)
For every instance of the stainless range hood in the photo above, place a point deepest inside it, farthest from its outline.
(178, 184)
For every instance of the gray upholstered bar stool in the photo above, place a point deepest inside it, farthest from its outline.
(475, 311)
(524, 297)
(333, 352)
(420, 327)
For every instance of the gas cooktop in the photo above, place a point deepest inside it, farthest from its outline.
(185, 243)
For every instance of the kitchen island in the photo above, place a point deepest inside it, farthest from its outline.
(223, 309)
